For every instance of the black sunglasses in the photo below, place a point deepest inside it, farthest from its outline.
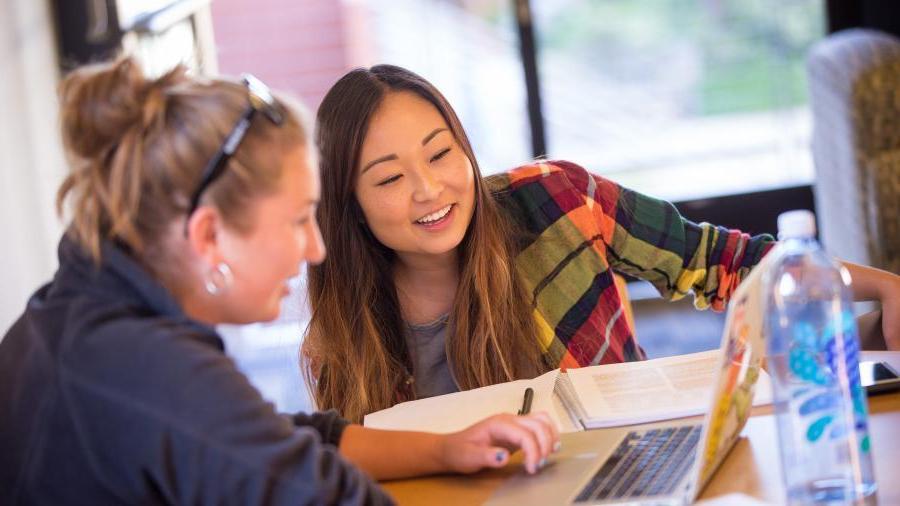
(261, 101)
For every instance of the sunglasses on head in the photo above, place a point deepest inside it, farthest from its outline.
(261, 101)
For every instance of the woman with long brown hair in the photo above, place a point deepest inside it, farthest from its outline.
(439, 279)
(193, 204)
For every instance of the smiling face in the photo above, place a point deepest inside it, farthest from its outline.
(283, 235)
(415, 185)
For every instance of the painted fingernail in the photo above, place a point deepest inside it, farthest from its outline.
(542, 463)
(499, 456)
(557, 446)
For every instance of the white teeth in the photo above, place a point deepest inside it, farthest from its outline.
(435, 216)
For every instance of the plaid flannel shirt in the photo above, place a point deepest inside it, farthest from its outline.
(578, 227)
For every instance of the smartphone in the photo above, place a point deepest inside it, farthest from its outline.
(878, 377)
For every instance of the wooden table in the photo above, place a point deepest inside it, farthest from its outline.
(752, 468)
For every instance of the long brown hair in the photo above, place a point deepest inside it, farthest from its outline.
(137, 146)
(355, 353)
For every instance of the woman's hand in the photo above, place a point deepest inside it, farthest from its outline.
(489, 443)
(890, 318)
(875, 284)
(389, 454)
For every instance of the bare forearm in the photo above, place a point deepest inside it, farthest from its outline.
(386, 454)
(870, 283)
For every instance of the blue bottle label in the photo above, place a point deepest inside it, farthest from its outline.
(820, 357)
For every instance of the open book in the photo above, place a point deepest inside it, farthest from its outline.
(585, 398)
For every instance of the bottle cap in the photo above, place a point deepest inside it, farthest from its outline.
(796, 224)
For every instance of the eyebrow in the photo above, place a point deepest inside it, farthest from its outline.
(378, 160)
(393, 156)
(430, 136)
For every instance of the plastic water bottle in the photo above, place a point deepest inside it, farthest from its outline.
(813, 345)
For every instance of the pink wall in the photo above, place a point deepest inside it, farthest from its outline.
(295, 45)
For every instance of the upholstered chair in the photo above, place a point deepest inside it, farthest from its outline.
(854, 82)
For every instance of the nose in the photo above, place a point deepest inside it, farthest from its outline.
(315, 246)
(428, 185)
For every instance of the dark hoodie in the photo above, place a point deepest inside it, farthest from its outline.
(110, 394)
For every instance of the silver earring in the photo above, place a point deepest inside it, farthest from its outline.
(219, 280)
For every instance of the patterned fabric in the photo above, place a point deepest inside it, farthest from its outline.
(576, 227)
(854, 82)
(882, 183)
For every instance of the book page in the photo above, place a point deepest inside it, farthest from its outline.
(638, 392)
(668, 387)
(456, 411)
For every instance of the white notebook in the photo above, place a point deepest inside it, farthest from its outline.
(584, 398)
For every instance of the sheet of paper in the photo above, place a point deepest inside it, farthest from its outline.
(660, 389)
(453, 412)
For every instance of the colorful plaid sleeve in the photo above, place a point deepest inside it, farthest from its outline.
(648, 238)
(578, 227)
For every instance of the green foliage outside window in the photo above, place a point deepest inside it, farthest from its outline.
(738, 55)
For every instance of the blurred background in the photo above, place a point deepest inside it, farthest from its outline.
(702, 102)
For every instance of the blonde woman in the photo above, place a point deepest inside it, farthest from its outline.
(193, 202)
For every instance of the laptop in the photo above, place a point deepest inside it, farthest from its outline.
(667, 462)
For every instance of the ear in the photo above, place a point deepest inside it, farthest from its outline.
(204, 234)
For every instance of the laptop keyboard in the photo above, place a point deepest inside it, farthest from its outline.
(646, 463)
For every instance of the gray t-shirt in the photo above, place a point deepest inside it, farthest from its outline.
(431, 371)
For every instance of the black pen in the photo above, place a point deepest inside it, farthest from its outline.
(526, 401)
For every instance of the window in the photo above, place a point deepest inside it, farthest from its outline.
(680, 98)
(165, 33)
(676, 98)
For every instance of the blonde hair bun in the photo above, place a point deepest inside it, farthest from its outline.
(137, 147)
(100, 103)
